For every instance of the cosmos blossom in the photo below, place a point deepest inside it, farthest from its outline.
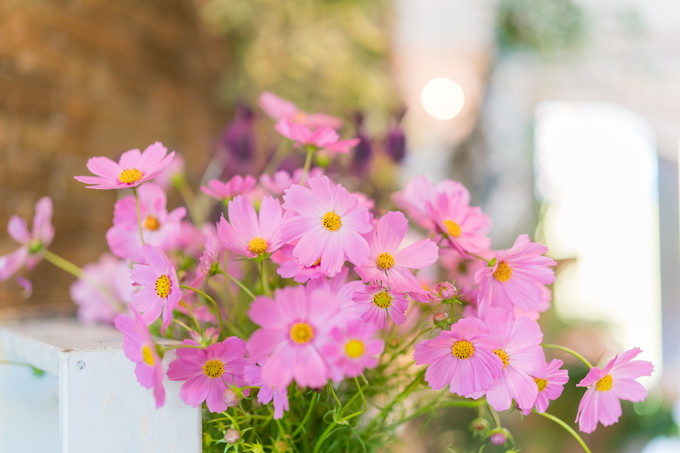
(280, 109)
(249, 234)
(238, 185)
(351, 349)
(550, 382)
(277, 183)
(419, 192)
(379, 303)
(266, 394)
(324, 137)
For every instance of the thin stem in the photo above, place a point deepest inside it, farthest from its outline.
(238, 282)
(218, 311)
(181, 345)
(308, 164)
(303, 423)
(194, 208)
(63, 264)
(479, 257)
(435, 407)
(12, 362)
(399, 398)
(265, 281)
(569, 351)
(177, 321)
(567, 428)
(139, 215)
(494, 415)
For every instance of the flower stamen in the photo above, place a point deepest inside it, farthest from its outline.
(501, 354)
(257, 246)
(130, 176)
(463, 349)
(503, 272)
(301, 333)
(605, 384)
(151, 223)
(147, 356)
(383, 299)
(540, 383)
(452, 228)
(213, 368)
(331, 221)
(384, 261)
(163, 286)
(354, 348)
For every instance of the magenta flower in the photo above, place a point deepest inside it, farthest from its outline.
(280, 109)
(328, 224)
(323, 137)
(33, 242)
(379, 303)
(140, 348)
(293, 327)
(389, 261)
(517, 277)
(352, 349)
(159, 286)
(247, 234)
(133, 168)
(607, 386)
(419, 192)
(209, 372)
(277, 183)
(517, 344)
(461, 358)
(159, 227)
(238, 185)
(549, 383)
(253, 376)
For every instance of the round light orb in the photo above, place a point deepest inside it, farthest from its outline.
(442, 98)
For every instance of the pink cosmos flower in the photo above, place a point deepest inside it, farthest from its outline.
(33, 242)
(389, 261)
(290, 267)
(517, 277)
(461, 358)
(379, 303)
(464, 226)
(607, 386)
(277, 183)
(280, 109)
(133, 168)
(343, 291)
(549, 383)
(352, 349)
(253, 376)
(174, 171)
(159, 286)
(293, 327)
(247, 234)
(328, 224)
(209, 372)
(419, 192)
(323, 137)
(140, 348)
(238, 185)
(159, 227)
(517, 344)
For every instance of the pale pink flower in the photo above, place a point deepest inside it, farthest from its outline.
(290, 267)
(607, 386)
(327, 224)
(266, 394)
(238, 185)
(461, 271)
(379, 303)
(133, 168)
(276, 184)
(281, 109)
(323, 137)
(352, 349)
(550, 382)
(248, 234)
(343, 291)
(174, 171)
(419, 192)
(209, 372)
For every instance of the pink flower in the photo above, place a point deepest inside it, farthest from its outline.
(343, 291)
(290, 267)
(517, 344)
(33, 242)
(173, 173)
(140, 348)
(159, 227)
(293, 327)
(549, 383)
(238, 185)
(517, 277)
(280, 109)
(159, 286)
(352, 349)
(419, 192)
(103, 291)
(389, 261)
(606, 386)
(461, 270)
(323, 137)
(461, 358)
(253, 376)
(328, 225)
(277, 183)
(209, 372)
(133, 168)
(379, 303)
(247, 234)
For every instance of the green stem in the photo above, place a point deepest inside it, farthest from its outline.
(569, 351)
(398, 399)
(435, 407)
(177, 321)
(303, 423)
(567, 428)
(238, 282)
(12, 362)
(178, 346)
(218, 311)
(63, 264)
(184, 190)
(139, 215)
(494, 415)
(308, 164)
(265, 281)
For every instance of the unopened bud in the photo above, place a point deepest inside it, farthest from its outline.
(446, 290)
(479, 424)
(231, 436)
(439, 317)
(231, 398)
(499, 436)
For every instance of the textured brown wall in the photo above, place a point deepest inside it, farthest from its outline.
(93, 77)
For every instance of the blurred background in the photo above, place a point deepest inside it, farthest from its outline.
(560, 115)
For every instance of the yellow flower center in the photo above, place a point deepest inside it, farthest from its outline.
(163, 286)
(384, 261)
(213, 368)
(383, 299)
(258, 246)
(331, 221)
(452, 228)
(503, 272)
(501, 354)
(130, 176)
(147, 356)
(463, 349)
(301, 332)
(316, 263)
(354, 348)
(540, 383)
(151, 223)
(604, 384)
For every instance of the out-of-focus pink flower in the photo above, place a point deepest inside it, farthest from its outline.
(173, 171)
(419, 192)
(277, 183)
(607, 386)
(209, 372)
(253, 376)
(320, 138)
(389, 261)
(327, 224)
(290, 267)
(461, 271)
(550, 382)
(159, 227)
(281, 109)
(133, 168)
(248, 234)
(379, 303)
(352, 349)
(140, 348)
(343, 291)
(238, 185)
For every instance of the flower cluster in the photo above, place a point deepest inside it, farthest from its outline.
(320, 292)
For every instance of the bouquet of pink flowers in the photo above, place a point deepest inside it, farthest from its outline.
(309, 319)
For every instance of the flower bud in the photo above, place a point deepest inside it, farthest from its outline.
(499, 436)
(446, 290)
(479, 424)
(439, 317)
(231, 436)
(231, 398)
